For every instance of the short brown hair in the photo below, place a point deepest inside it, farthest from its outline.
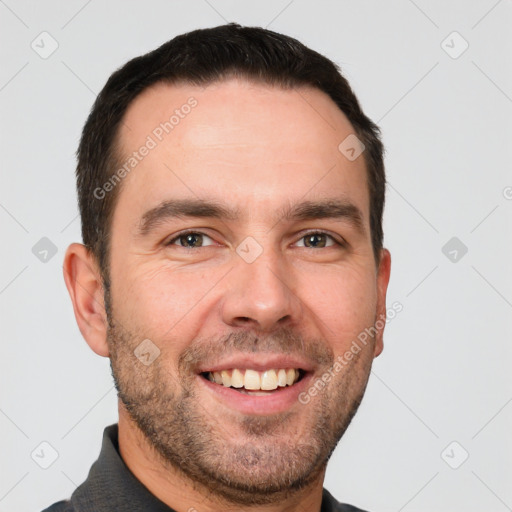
(202, 57)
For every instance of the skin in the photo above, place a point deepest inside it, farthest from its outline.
(259, 149)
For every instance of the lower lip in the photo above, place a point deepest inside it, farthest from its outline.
(274, 402)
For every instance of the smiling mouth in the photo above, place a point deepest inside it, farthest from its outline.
(253, 382)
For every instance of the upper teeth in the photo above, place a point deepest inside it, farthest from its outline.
(254, 380)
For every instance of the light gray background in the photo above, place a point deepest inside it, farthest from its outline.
(445, 373)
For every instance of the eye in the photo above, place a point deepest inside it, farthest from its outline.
(191, 240)
(318, 239)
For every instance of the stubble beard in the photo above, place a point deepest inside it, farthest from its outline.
(274, 456)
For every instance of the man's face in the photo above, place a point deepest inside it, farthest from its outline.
(270, 287)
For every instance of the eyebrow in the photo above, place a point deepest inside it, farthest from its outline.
(209, 209)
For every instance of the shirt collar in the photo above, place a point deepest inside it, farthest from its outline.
(110, 485)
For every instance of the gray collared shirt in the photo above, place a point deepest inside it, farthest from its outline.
(111, 486)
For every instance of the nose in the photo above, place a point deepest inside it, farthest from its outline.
(260, 295)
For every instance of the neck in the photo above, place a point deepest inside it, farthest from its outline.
(176, 490)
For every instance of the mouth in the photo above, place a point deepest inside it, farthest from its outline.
(262, 387)
(255, 382)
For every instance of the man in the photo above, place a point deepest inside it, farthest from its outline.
(231, 193)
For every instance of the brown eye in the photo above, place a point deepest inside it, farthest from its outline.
(318, 240)
(191, 240)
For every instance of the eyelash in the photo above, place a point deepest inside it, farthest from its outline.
(196, 232)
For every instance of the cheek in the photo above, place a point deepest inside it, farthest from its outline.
(159, 300)
(342, 303)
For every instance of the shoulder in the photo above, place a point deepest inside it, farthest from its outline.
(60, 506)
(330, 504)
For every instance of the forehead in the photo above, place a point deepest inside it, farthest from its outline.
(240, 139)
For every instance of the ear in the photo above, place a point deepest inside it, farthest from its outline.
(85, 287)
(383, 274)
